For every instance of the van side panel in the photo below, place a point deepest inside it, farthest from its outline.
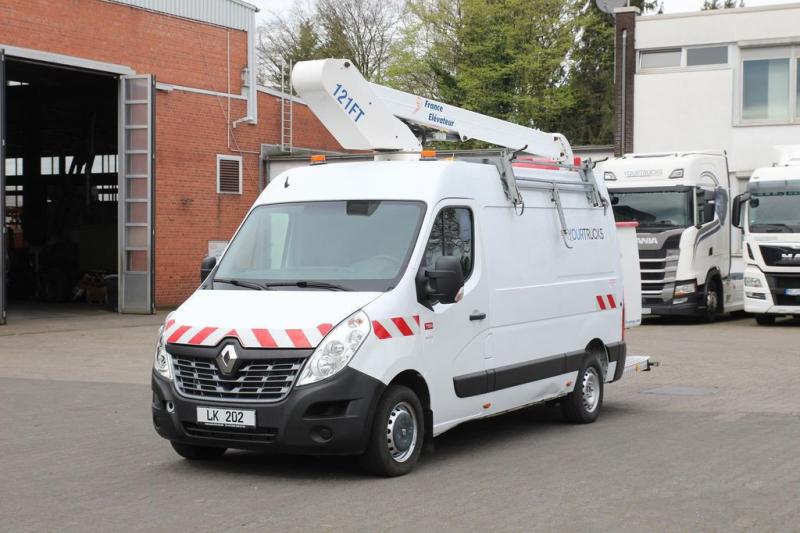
(548, 301)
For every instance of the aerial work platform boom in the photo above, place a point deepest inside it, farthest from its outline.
(366, 116)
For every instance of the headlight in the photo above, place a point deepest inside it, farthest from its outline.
(162, 362)
(336, 350)
(685, 289)
(752, 282)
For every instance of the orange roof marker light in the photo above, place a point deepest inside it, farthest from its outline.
(427, 155)
(318, 159)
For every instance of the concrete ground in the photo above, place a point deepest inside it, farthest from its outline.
(707, 442)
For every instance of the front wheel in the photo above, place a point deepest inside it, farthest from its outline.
(397, 434)
(712, 297)
(765, 320)
(582, 405)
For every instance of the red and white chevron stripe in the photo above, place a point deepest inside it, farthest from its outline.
(175, 333)
(399, 326)
(606, 302)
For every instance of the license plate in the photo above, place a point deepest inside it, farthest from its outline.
(646, 311)
(792, 292)
(213, 416)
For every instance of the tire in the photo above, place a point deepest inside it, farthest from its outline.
(583, 404)
(397, 434)
(197, 453)
(712, 297)
(765, 320)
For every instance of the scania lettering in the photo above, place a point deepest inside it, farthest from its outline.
(769, 214)
(689, 255)
(365, 307)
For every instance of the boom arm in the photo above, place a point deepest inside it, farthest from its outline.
(367, 116)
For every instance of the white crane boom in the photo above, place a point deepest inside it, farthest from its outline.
(367, 116)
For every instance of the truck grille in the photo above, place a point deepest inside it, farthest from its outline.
(658, 269)
(262, 380)
(780, 256)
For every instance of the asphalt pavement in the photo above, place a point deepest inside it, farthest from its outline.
(709, 441)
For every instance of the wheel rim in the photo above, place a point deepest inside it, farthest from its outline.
(712, 301)
(591, 389)
(401, 432)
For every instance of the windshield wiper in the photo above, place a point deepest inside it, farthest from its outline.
(239, 283)
(307, 284)
(782, 228)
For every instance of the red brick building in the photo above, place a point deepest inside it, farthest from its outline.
(135, 137)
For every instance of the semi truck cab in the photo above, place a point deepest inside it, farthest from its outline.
(769, 214)
(681, 203)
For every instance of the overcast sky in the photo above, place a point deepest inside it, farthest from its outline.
(670, 6)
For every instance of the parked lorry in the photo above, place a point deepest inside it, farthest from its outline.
(687, 252)
(769, 214)
(365, 307)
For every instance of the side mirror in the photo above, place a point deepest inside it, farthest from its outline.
(736, 210)
(445, 282)
(615, 200)
(207, 266)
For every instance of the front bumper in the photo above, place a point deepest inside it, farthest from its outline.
(691, 307)
(332, 417)
(761, 300)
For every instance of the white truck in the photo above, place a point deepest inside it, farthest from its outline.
(771, 225)
(363, 308)
(687, 249)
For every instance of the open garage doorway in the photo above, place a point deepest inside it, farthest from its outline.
(73, 239)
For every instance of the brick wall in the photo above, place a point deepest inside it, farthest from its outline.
(191, 128)
(190, 132)
(177, 51)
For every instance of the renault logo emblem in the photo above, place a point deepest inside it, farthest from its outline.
(226, 359)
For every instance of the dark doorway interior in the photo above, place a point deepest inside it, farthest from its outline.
(61, 184)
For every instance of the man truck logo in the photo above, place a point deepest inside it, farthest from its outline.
(648, 240)
(790, 258)
(226, 359)
(644, 173)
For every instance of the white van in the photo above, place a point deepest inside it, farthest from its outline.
(364, 308)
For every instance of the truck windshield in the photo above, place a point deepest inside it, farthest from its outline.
(654, 209)
(334, 245)
(775, 210)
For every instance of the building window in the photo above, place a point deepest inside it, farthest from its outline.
(229, 174)
(13, 166)
(709, 55)
(660, 59)
(765, 90)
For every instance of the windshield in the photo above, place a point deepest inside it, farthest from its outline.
(349, 245)
(775, 210)
(653, 209)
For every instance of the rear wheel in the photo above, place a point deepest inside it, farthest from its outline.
(197, 453)
(583, 404)
(765, 320)
(397, 433)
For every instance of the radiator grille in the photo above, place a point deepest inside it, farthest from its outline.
(262, 380)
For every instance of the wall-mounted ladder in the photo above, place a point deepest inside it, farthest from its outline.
(287, 109)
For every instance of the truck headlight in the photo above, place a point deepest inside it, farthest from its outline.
(752, 282)
(685, 289)
(163, 361)
(336, 349)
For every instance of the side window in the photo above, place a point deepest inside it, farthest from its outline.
(451, 235)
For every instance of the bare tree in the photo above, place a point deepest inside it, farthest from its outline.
(285, 40)
(363, 30)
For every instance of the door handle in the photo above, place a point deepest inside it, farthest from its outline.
(477, 315)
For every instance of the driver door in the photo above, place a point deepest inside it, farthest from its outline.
(455, 335)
